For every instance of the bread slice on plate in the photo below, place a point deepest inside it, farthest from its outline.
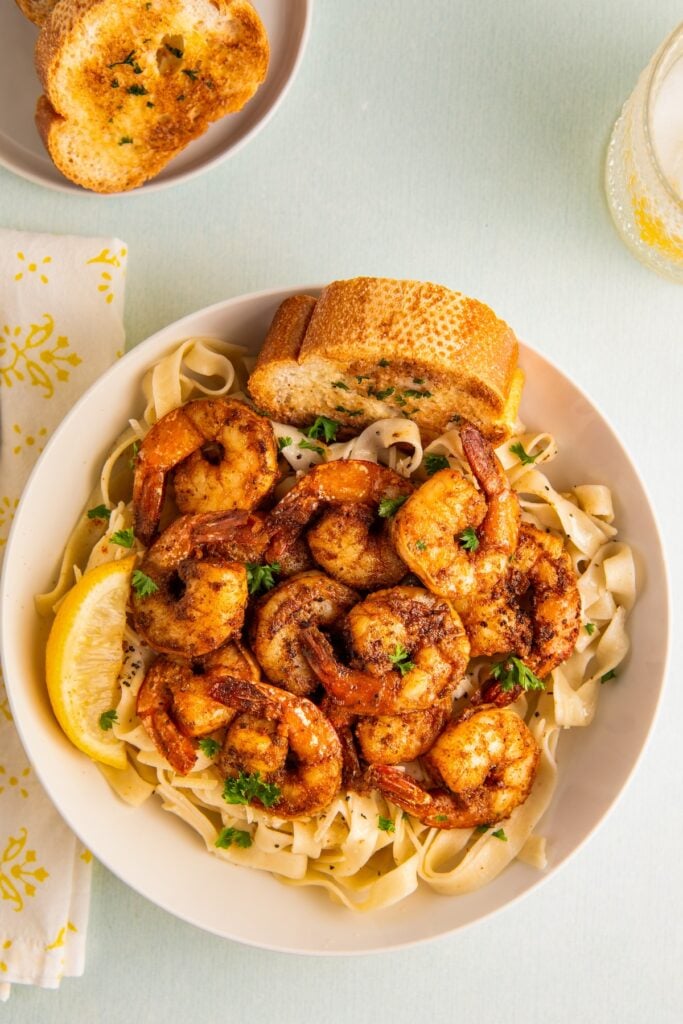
(36, 10)
(128, 84)
(371, 348)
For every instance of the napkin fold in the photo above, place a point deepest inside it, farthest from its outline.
(61, 326)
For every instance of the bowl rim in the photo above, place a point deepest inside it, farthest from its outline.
(137, 358)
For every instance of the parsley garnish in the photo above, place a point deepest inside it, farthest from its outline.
(384, 362)
(261, 577)
(341, 385)
(174, 50)
(389, 506)
(381, 395)
(323, 428)
(500, 834)
(114, 83)
(513, 672)
(191, 73)
(433, 463)
(385, 824)
(129, 60)
(126, 538)
(248, 786)
(142, 584)
(360, 378)
(233, 836)
(136, 449)
(400, 659)
(400, 400)
(209, 746)
(107, 719)
(441, 817)
(590, 628)
(608, 675)
(99, 512)
(283, 442)
(125, 140)
(311, 447)
(412, 393)
(468, 539)
(349, 412)
(482, 828)
(518, 449)
(136, 90)
(418, 380)
(420, 545)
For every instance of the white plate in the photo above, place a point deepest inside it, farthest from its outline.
(162, 857)
(22, 151)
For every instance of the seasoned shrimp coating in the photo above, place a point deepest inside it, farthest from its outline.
(174, 704)
(279, 616)
(455, 538)
(309, 774)
(484, 766)
(350, 540)
(221, 453)
(199, 598)
(409, 651)
(535, 611)
(393, 739)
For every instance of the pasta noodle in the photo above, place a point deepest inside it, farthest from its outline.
(343, 850)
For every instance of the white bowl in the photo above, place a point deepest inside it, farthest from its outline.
(22, 151)
(163, 858)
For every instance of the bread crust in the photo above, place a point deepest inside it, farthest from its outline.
(115, 112)
(377, 347)
(37, 11)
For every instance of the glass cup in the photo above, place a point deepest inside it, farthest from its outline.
(644, 168)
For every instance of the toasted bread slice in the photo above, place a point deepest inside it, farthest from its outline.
(128, 84)
(37, 11)
(371, 348)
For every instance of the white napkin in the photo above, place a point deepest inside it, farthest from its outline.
(61, 326)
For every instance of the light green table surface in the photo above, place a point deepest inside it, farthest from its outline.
(460, 142)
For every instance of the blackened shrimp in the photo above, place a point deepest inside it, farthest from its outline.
(455, 538)
(409, 652)
(309, 598)
(483, 765)
(535, 611)
(350, 539)
(194, 599)
(306, 766)
(175, 707)
(221, 453)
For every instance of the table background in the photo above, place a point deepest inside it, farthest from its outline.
(460, 142)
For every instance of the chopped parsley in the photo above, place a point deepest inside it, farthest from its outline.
(482, 828)
(311, 447)
(125, 140)
(175, 50)
(261, 577)
(433, 463)
(208, 746)
(384, 362)
(136, 90)
(324, 428)
(500, 834)
(192, 73)
(114, 83)
(518, 449)
(248, 786)
(385, 824)
(418, 380)
(341, 385)
(360, 378)
(513, 672)
(283, 442)
(388, 507)
(420, 545)
(381, 395)
(441, 817)
(349, 412)
(142, 584)
(468, 539)
(400, 659)
(233, 837)
(107, 719)
(590, 628)
(412, 393)
(128, 60)
(608, 675)
(126, 538)
(99, 512)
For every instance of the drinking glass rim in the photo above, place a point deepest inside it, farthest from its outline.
(661, 55)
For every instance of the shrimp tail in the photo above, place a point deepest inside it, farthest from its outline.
(483, 461)
(360, 692)
(149, 492)
(243, 693)
(399, 787)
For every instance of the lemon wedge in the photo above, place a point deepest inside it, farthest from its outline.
(84, 658)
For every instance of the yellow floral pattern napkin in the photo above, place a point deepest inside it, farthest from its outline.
(61, 326)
